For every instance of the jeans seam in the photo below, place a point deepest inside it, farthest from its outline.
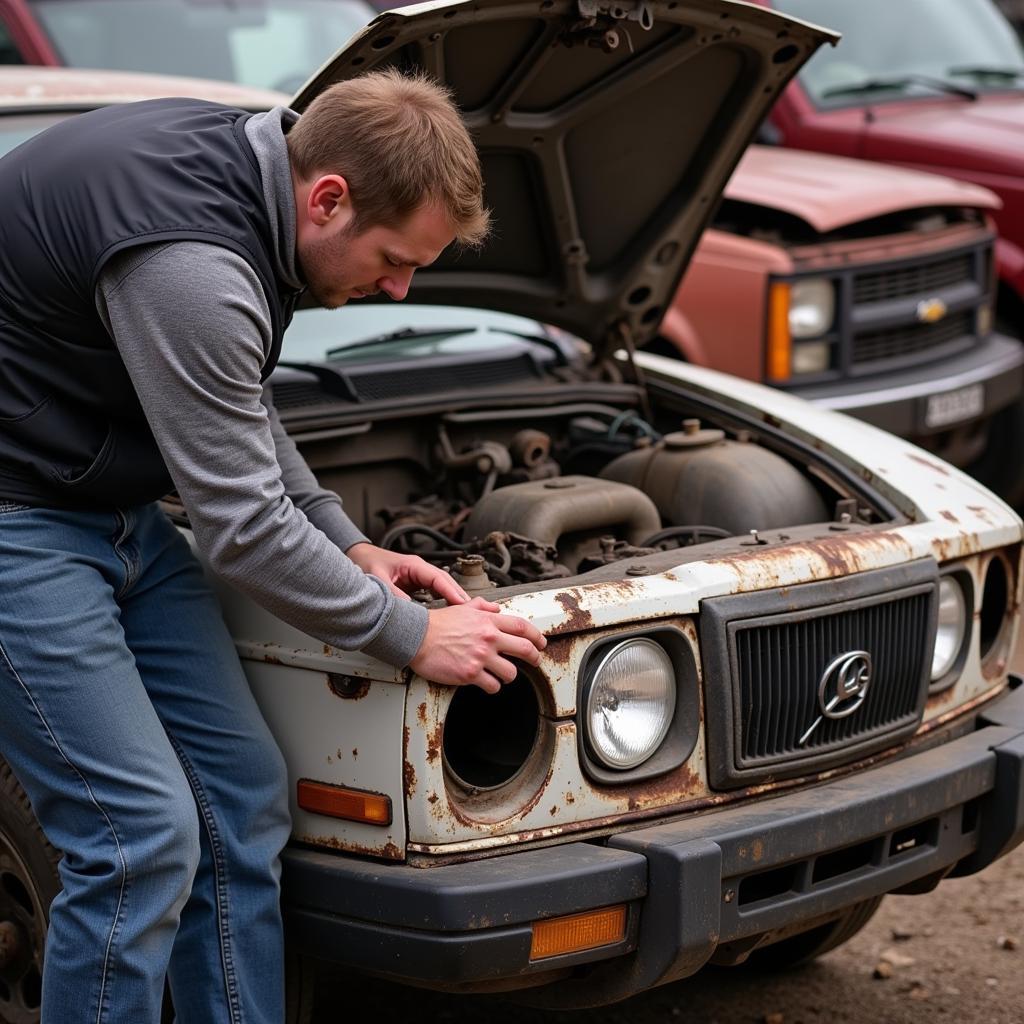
(107, 970)
(219, 875)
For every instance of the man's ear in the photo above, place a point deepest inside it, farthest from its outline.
(329, 200)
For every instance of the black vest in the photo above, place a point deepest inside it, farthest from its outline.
(72, 432)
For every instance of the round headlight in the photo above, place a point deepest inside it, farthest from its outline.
(811, 307)
(952, 626)
(629, 703)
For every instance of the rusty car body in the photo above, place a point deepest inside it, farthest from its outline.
(756, 547)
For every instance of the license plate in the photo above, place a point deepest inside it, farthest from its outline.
(955, 406)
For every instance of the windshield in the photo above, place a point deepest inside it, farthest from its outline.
(18, 128)
(965, 43)
(314, 333)
(271, 44)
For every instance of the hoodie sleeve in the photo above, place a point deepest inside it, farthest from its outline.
(192, 325)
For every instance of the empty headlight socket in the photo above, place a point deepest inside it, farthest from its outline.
(679, 742)
(963, 577)
(997, 592)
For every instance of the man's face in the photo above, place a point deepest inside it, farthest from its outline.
(343, 264)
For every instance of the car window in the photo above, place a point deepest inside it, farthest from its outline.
(271, 44)
(965, 43)
(9, 53)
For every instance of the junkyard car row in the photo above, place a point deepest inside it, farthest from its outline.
(776, 685)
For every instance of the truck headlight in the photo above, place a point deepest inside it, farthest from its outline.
(812, 302)
(629, 703)
(949, 636)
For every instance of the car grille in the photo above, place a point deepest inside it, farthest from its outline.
(897, 282)
(892, 343)
(766, 656)
(779, 668)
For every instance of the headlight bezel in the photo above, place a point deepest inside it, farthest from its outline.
(798, 333)
(959, 575)
(680, 739)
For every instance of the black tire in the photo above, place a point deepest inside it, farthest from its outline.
(300, 975)
(808, 946)
(28, 883)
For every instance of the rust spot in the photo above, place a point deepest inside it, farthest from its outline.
(355, 751)
(328, 649)
(272, 659)
(757, 850)
(330, 760)
(928, 462)
(772, 420)
(434, 740)
(433, 798)
(389, 851)
(409, 777)
(569, 798)
(949, 515)
(982, 513)
(347, 687)
(559, 650)
(576, 618)
(554, 810)
(421, 713)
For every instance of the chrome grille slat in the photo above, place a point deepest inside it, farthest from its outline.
(893, 283)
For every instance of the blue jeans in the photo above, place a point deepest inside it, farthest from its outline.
(125, 714)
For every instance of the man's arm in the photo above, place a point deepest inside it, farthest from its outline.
(192, 326)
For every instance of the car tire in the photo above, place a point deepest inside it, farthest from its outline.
(28, 883)
(807, 946)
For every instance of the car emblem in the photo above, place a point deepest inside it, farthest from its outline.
(842, 689)
(930, 311)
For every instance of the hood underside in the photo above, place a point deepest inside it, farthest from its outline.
(606, 131)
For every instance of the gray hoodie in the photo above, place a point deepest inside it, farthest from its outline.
(192, 325)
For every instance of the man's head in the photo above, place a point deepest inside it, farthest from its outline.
(386, 177)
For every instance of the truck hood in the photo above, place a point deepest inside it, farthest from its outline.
(607, 130)
(987, 134)
(831, 192)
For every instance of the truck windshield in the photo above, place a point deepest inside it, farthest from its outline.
(911, 48)
(271, 44)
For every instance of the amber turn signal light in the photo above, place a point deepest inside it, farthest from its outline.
(339, 802)
(779, 349)
(578, 931)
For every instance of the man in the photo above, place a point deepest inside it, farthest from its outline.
(150, 257)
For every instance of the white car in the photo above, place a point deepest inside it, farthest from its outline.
(776, 684)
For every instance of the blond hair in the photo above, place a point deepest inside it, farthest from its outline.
(400, 143)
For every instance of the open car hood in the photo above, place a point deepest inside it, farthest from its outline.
(607, 130)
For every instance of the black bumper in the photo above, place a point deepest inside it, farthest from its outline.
(704, 880)
(896, 401)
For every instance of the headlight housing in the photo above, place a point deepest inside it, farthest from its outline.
(629, 703)
(812, 303)
(952, 626)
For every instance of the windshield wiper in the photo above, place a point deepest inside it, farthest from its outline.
(899, 82)
(401, 334)
(983, 70)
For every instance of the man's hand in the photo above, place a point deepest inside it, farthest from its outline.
(469, 644)
(404, 573)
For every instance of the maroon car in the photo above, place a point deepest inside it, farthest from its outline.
(932, 84)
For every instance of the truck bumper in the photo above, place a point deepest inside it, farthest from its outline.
(691, 885)
(898, 402)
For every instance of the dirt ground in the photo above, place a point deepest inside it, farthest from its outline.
(955, 954)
